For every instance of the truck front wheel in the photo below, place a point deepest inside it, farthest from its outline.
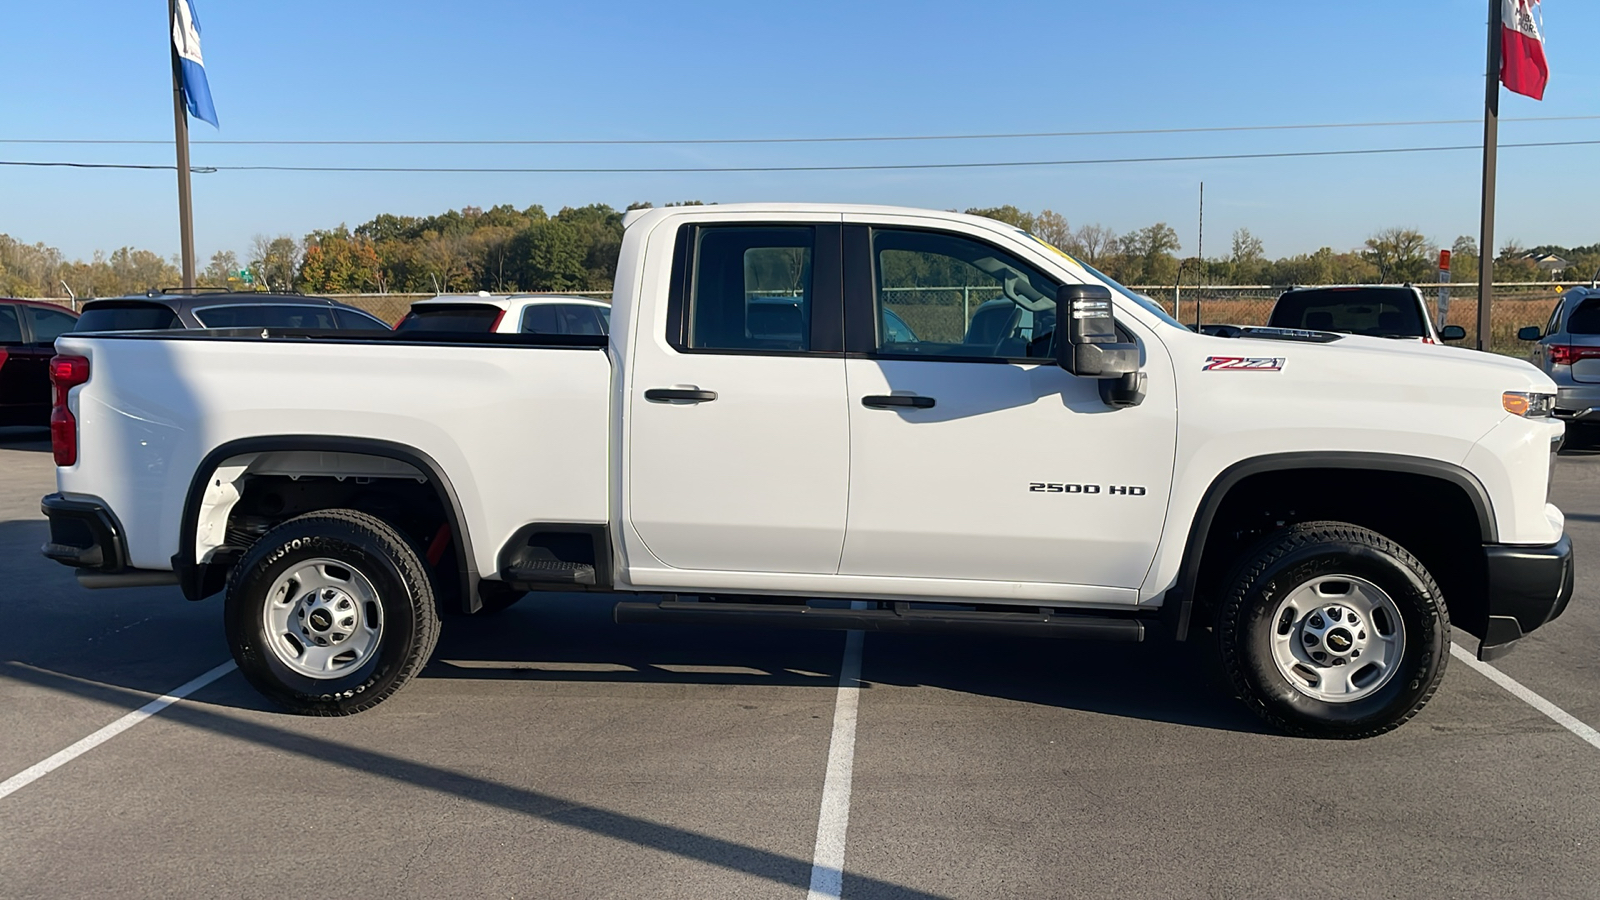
(330, 613)
(1330, 630)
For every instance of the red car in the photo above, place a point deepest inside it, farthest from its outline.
(28, 331)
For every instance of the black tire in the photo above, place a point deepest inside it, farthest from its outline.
(1283, 562)
(410, 620)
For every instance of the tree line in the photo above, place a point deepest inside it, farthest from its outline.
(504, 249)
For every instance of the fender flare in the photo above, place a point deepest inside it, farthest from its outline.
(202, 580)
(1181, 613)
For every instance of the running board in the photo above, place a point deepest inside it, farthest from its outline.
(903, 618)
(535, 572)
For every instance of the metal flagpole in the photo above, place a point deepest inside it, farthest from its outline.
(1491, 140)
(180, 133)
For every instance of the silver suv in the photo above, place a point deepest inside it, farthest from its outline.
(1568, 350)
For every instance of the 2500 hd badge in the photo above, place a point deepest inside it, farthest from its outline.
(1050, 487)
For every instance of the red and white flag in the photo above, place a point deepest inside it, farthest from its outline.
(1522, 65)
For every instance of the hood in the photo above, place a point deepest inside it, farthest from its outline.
(1383, 360)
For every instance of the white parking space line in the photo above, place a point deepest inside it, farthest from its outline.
(40, 769)
(1560, 716)
(827, 860)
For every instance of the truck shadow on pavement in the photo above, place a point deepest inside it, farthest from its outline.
(25, 438)
(364, 762)
(572, 638)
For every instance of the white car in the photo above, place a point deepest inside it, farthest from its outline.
(793, 411)
(484, 312)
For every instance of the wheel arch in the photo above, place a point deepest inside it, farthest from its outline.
(1224, 484)
(201, 579)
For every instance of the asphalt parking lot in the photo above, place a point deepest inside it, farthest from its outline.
(550, 753)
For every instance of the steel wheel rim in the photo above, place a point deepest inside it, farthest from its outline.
(323, 618)
(1338, 638)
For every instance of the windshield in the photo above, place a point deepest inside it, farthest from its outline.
(1379, 312)
(1145, 303)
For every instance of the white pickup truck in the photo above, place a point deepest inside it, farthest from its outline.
(799, 406)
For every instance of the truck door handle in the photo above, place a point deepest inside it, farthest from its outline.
(896, 401)
(679, 395)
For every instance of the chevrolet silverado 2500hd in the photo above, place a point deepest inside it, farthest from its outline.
(798, 406)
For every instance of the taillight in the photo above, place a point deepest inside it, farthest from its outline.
(495, 327)
(1566, 354)
(66, 373)
(3, 355)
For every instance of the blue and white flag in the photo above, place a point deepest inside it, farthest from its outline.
(186, 40)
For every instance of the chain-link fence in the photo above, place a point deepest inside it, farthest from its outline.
(943, 313)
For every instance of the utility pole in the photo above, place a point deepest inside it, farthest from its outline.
(180, 133)
(1491, 141)
(1200, 260)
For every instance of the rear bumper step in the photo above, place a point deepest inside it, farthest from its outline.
(1035, 623)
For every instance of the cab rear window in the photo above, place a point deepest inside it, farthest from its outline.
(1585, 319)
(127, 315)
(477, 318)
(1371, 311)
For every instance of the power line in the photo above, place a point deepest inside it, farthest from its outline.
(662, 170)
(792, 140)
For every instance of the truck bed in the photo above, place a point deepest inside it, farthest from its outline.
(518, 421)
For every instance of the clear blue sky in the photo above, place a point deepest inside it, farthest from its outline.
(402, 69)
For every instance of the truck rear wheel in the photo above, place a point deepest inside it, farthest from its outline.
(330, 613)
(1329, 630)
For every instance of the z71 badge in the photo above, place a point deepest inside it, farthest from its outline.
(1244, 363)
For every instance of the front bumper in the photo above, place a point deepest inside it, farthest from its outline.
(83, 534)
(1528, 586)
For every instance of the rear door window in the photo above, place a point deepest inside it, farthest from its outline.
(264, 315)
(10, 325)
(479, 318)
(562, 318)
(49, 324)
(1377, 312)
(352, 320)
(752, 289)
(127, 315)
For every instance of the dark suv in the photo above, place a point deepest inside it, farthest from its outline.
(28, 331)
(170, 308)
